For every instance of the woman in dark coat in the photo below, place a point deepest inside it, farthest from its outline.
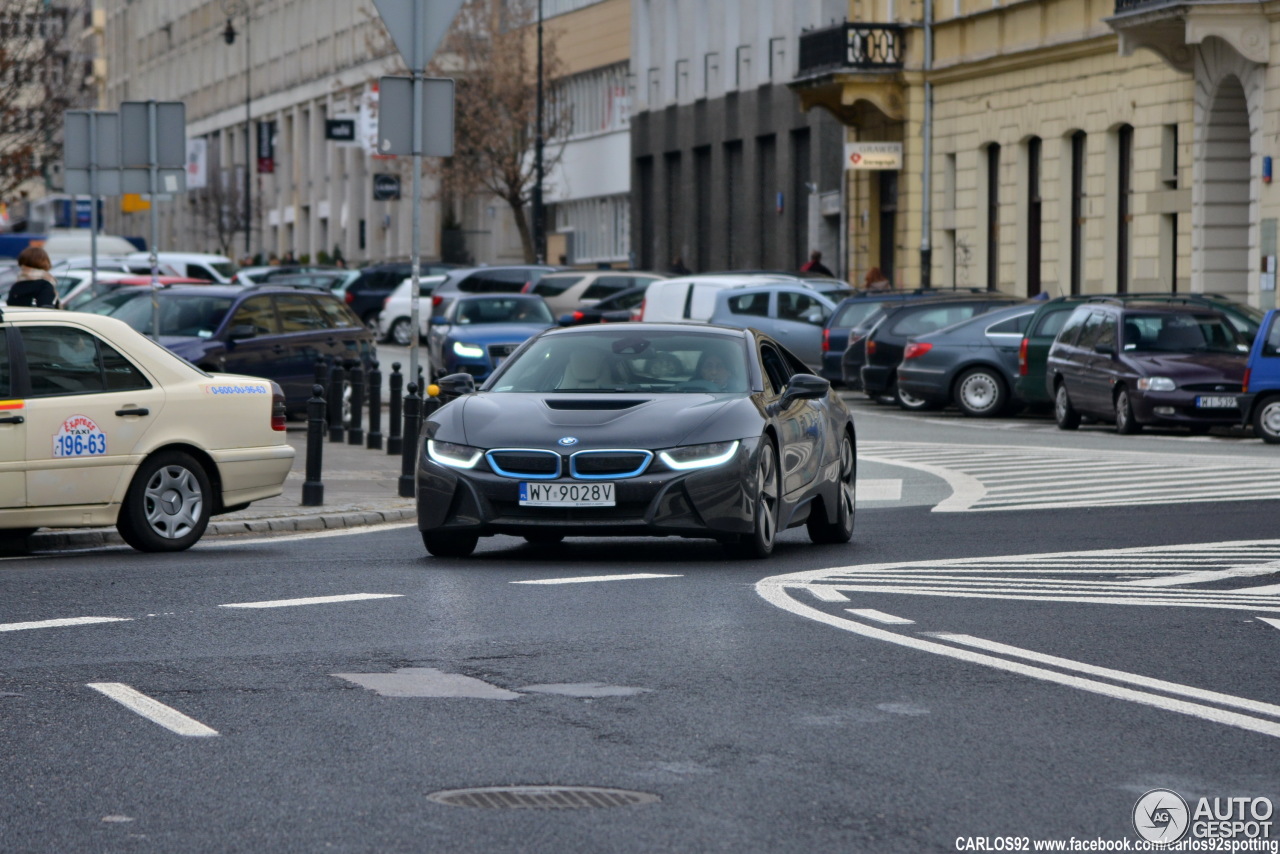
(35, 285)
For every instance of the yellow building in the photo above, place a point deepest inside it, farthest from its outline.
(1074, 146)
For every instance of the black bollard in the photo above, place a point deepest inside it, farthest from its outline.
(312, 488)
(412, 425)
(355, 430)
(322, 371)
(337, 379)
(397, 384)
(374, 438)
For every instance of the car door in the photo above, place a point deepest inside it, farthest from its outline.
(1005, 338)
(798, 317)
(13, 432)
(345, 336)
(305, 337)
(251, 339)
(799, 425)
(87, 408)
(1081, 385)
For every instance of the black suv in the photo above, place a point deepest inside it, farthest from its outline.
(886, 342)
(366, 294)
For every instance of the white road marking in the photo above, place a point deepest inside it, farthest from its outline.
(880, 616)
(1269, 590)
(1270, 621)
(153, 710)
(587, 578)
(827, 594)
(314, 600)
(237, 540)
(67, 621)
(888, 489)
(1210, 575)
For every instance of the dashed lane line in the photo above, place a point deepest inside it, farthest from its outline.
(585, 579)
(65, 621)
(313, 600)
(153, 710)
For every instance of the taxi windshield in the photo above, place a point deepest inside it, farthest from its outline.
(627, 361)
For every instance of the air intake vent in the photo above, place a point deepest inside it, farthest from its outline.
(592, 403)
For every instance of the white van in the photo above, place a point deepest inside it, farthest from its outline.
(191, 265)
(694, 297)
(69, 242)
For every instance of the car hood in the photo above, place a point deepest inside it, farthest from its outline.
(508, 420)
(1192, 367)
(495, 333)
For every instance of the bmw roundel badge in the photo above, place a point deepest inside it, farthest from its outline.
(568, 440)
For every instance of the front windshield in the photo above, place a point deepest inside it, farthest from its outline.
(1181, 333)
(624, 360)
(188, 315)
(227, 269)
(503, 310)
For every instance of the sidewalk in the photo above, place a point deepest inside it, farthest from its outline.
(360, 488)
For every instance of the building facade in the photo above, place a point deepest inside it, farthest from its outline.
(728, 171)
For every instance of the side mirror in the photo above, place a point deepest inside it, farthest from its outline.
(456, 385)
(242, 331)
(804, 387)
(1104, 349)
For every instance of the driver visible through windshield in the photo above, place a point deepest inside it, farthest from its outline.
(625, 361)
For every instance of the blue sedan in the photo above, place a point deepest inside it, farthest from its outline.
(475, 333)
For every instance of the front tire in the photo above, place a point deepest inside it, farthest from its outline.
(1063, 412)
(1126, 424)
(981, 393)
(168, 505)
(401, 332)
(1266, 421)
(449, 543)
(759, 543)
(825, 532)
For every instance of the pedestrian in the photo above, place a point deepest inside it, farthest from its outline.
(289, 260)
(876, 281)
(678, 267)
(35, 285)
(815, 265)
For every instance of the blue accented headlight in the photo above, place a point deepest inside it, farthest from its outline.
(468, 351)
(699, 456)
(454, 456)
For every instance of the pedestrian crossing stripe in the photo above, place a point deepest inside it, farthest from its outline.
(1235, 575)
(1015, 477)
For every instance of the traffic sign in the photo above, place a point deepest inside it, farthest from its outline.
(396, 112)
(386, 187)
(91, 139)
(147, 143)
(417, 26)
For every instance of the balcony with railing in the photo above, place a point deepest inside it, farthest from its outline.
(844, 66)
(1174, 28)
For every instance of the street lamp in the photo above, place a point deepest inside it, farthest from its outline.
(232, 8)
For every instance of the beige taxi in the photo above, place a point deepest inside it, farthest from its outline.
(100, 425)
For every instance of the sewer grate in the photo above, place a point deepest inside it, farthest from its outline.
(541, 797)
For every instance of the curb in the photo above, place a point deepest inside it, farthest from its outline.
(64, 539)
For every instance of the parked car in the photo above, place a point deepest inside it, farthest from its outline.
(1260, 403)
(370, 289)
(511, 279)
(568, 290)
(270, 272)
(86, 292)
(191, 265)
(793, 315)
(101, 427)
(622, 307)
(639, 430)
(887, 340)
(1047, 323)
(478, 331)
(269, 332)
(694, 297)
(334, 281)
(973, 363)
(854, 316)
(1139, 363)
(395, 321)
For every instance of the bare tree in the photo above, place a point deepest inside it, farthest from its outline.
(42, 74)
(491, 52)
(220, 206)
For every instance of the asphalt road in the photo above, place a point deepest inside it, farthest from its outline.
(1035, 696)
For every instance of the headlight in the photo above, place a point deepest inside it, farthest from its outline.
(699, 456)
(1156, 384)
(468, 351)
(454, 456)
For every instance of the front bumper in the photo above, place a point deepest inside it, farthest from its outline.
(1179, 408)
(713, 502)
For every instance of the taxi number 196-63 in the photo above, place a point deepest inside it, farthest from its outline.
(566, 495)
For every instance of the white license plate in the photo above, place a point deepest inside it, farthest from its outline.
(1217, 402)
(556, 494)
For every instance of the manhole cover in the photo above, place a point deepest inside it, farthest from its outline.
(541, 797)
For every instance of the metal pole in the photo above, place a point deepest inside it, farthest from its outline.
(412, 426)
(248, 129)
(539, 214)
(926, 188)
(396, 383)
(374, 436)
(93, 197)
(312, 488)
(153, 162)
(418, 50)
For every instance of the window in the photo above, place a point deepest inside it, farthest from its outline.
(1076, 229)
(6, 370)
(1106, 334)
(1270, 346)
(993, 217)
(554, 286)
(299, 314)
(1051, 324)
(258, 313)
(601, 228)
(1124, 211)
(1012, 326)
(1071, 331)
(338, 315)
(62, 361)
(1033, 216)
(753, 304)
(801, 308)
(777, 373)
(596, 101)
(1092, 329)
(606, 286)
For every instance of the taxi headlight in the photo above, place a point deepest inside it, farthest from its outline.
(468, 351)
(699, 456)
(454, 456)
(1156, 384)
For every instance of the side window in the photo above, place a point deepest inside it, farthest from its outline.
(554, 286)
(1012, 326)
(1071, 329)
(1051, 323)
(299, 314)
(801, 308)
(754, 304)
(257, 312)
(606, 286)
(337, 314)
(6, 369)
(1106, 333)
(1270, 346)
(776, 371)
(1092, 327)
(62, 361)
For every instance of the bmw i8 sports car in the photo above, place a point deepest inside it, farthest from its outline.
(662, 430)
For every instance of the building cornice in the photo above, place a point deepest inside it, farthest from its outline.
(971, 68)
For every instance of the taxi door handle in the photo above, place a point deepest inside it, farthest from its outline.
(123, 412)
(12, 419)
